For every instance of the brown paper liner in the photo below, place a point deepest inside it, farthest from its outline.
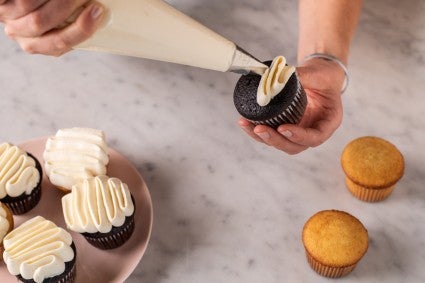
(329, 271)
(114, 239)
(368, 194)
(24, 202)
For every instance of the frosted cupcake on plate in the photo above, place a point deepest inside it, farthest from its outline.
(75, 154)
(102, 210)
(277, 97)
(6, 225)
(20, 179)
(40, 251)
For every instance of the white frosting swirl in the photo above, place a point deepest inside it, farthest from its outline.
(97, 204)
(18, 173)
(273, 80)
(37, 249)
(4, 223)
(75, 154)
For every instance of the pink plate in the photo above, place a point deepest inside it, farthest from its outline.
(94, 265)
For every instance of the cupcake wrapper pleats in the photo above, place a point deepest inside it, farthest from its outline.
(329, 271)
(23, 203)
(112, 239)
(366, 194)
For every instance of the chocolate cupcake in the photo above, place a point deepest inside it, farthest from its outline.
(20, 179)
(277, 97)
(102, 210)
(40, 251)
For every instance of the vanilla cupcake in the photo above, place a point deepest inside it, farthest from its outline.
(20, 179)
(75, 154)
(372, 168)
(39, 251)
(334, 242)
(6, 225)
(102, 210)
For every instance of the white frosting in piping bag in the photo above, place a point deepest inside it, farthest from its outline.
(37, 249)
(75, 154)
(97, 204)
(18, 173)
(274, 80)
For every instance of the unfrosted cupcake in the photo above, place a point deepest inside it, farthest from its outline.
(39, 251)
(6, 225)
(20, 179)
(75, 154)
(102, 210)
(372, 167)
(334, 241)
(277, 97)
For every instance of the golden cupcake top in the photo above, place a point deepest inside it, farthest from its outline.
(97, 204)
(18, 172)
(335, 238)
(37, 249)
(372, 162)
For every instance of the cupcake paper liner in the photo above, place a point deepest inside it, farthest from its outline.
(329, 271)
(292, 114)
(368, 194)
(115, 238)
(24, 202)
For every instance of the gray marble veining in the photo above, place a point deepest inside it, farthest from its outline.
(227, 209)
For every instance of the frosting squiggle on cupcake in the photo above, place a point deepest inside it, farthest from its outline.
(37, 249)
(75, 154)
(274, 80)
(97, 204)
(18, 173)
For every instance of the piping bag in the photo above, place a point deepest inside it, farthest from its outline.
(153, 29)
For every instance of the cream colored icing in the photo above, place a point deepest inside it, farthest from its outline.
(75, 154)
(274, 80)
(4, 224)
(37, 249)
(18, 173)
(97, 204)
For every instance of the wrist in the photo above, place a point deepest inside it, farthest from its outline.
(335, 61)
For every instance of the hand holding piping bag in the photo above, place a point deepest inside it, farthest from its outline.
(50, 27)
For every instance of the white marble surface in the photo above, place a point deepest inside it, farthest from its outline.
(227, 209)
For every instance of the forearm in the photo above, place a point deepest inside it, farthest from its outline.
(327, 26)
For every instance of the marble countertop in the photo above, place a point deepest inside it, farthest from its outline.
(228, 209)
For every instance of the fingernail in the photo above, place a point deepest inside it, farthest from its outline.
(263, 135)
(286, 133)
(96, 11)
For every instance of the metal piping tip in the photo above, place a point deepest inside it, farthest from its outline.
(244, 63)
